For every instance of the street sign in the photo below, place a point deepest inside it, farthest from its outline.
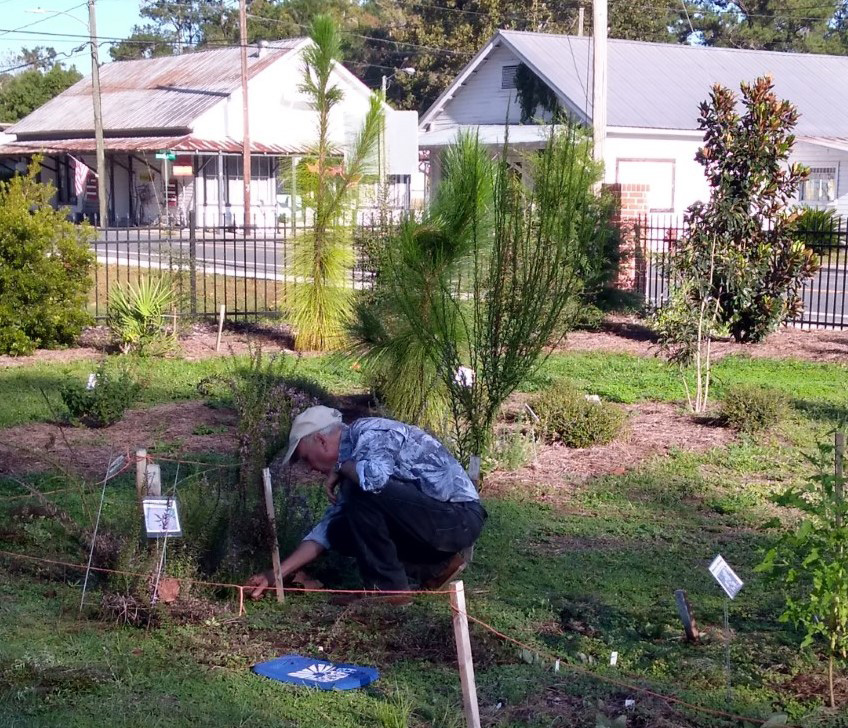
(166, 154)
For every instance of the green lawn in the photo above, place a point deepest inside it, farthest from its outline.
(580, 575)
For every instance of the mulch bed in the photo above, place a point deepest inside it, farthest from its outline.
(618, 334)
(168, 428)
(653, 429)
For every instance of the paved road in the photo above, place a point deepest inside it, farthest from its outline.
(263, 256)
(825, 296)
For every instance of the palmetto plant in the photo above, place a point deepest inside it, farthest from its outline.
(320, 302)
(137, 314)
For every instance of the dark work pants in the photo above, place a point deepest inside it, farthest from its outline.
(400, 526)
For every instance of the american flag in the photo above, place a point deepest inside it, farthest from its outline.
(81, 171)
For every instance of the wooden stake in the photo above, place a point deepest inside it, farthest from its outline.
(684, 609)
(463, 654)
(474, 469)
(141, 473)
(272, 524)
(220, 326)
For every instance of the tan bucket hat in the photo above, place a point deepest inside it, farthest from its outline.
(308, 422)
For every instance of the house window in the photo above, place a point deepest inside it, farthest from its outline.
(820, 186)
(658, 174)
(508, 76)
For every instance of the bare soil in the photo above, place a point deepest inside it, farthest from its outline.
(172, 430)
(630, 335)
(653, 429)
(167, 429)
(618, 334)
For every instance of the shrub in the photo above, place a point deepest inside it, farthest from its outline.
(137, 315)
(566, 416)
(752, 408)
(45, 263)
(102, 402)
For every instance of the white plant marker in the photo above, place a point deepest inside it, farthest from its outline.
(731, 584)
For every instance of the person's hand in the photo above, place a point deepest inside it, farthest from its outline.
(260, 583)
(331, 485)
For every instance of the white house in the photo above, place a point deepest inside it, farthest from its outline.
(191, 105)
(654, 91)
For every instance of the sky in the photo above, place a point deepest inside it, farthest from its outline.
(115, 19)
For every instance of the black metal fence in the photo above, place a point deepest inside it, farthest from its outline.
(247, 271)
(824, 295)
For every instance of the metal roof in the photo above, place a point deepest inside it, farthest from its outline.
(151, 94)
(186, 143)
(660, 85)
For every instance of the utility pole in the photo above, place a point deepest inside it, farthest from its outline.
(245, 113)
(599, 77)
(98, 116)
(581, 12)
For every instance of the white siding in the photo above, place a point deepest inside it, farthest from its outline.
(279, 112)
(679, 150)
(480, 99)
(812, 155)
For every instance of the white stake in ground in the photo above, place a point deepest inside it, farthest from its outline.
(731, 583)
(463, 654)
(272, 524)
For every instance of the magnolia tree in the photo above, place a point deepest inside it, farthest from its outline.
(740, 265)
(475, 291)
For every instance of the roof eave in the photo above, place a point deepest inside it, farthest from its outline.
(447, 94)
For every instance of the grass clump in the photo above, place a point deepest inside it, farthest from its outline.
(102, 400)
(752, 408)
(567, 417)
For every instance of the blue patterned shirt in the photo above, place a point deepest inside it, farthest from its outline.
(383, 449)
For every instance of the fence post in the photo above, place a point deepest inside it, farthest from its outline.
(192, 255)
(463, 654)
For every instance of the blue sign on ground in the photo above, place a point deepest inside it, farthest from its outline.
(316, 673)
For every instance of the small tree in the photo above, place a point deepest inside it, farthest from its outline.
(760, 265)
(320, 302)
(490, 278)
(740, 264)
(45, 265)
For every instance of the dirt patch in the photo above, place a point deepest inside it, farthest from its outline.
(618, 334)
(168, 429)
(196, 342)
(630, 335)
(653, 428)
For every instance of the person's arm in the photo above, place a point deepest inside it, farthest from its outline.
(306, 552)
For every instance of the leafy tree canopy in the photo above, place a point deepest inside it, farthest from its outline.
(778, 25)
(42, 79)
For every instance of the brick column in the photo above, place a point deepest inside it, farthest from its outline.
(631, 208)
